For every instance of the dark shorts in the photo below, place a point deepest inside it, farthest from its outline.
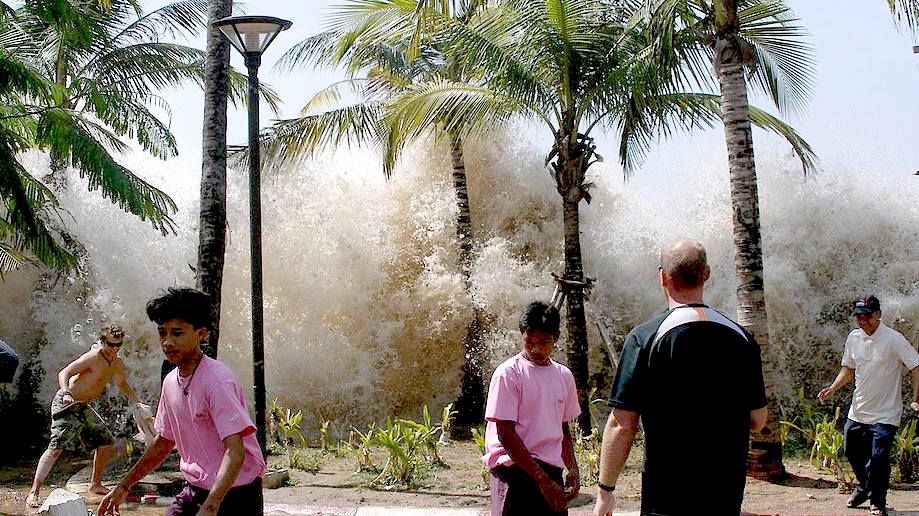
(514, 493)
(76, 427)
(239, 500)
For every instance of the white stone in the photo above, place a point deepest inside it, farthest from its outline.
(274, 478)
(62, 502)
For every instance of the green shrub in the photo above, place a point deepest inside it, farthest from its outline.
(906, 453)
(827, 452)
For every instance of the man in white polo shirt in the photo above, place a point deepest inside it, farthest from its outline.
(875, 355)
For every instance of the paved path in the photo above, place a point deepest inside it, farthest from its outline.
(275, 509)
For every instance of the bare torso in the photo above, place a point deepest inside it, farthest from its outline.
(87, 376)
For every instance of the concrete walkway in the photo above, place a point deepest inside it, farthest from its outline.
(275, 509)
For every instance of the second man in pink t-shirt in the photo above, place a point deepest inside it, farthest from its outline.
(527, 441)
(202, 412)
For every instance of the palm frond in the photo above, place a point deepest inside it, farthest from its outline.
(288, 142)
(69, 141)
(785, 63)
(455, 107)
(11, 258)
(643, 120)
(332, 95)
(805, 153)
(185, 18)
(906, 13)
(146, 66)
(130, 118)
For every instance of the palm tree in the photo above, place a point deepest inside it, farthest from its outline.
(573, 66)
(26, 202)
(756, 41)
(96, 75)
(212, 222)
(905, 12)
(382, 63)
(105, 65)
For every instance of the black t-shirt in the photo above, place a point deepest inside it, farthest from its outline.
(693, 375)
(9, 361)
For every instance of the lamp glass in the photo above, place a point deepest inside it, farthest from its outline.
(251, 37)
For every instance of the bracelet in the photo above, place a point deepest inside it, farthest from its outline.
(608, 489)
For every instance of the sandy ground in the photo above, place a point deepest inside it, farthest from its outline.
(460, 485)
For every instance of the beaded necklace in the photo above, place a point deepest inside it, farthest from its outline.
(190, 377)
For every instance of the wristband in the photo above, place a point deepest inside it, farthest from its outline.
(608, 489)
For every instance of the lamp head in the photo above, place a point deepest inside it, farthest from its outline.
(251, 34)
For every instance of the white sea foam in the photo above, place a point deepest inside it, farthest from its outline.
(365, 313)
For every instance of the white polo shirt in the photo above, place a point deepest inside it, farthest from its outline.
(878, 360)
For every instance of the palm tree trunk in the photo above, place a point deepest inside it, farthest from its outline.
(766, 446)
(575, 321)
(470, 406)
(213, 216)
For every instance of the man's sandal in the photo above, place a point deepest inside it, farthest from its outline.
(877, 511)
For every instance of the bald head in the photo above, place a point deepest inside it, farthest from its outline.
(684, 264)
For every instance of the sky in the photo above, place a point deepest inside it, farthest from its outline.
(863, 114)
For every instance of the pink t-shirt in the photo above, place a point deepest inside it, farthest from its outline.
(539, 399)
(198, 423)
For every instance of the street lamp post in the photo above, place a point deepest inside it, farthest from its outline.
(251, 35)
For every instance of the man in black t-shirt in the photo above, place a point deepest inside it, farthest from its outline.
(694, 379)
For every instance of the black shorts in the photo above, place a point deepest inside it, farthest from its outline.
(514, 493)
(245, 499)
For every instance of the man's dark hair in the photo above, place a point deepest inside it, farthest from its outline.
(187, 304)
(538, 316)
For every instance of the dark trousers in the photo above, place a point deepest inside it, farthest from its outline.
(868, 450)
(514, 493)
(240, 500)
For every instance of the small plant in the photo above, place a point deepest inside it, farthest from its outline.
(595, 400)
(587, 450)
(479, 437)
(906, 446)
(306, 460)
(446, 422)
(401, 441)
(275, 414)
(806, 423)
(289, 425)
(426, 433)
(362, 449)
(326, 444)
(827, 451)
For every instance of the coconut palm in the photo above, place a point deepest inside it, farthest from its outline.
(756, 42)
(574, 66)
(26, 202)
(212, 221)
(385, 46)
(905, 12)
(106, 64)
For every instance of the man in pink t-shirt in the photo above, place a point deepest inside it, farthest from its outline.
(202, 412)
(527, 442)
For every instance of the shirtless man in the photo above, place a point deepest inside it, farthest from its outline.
(75, 425)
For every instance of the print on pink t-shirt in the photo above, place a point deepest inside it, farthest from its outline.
(539, 399)
(198, 423)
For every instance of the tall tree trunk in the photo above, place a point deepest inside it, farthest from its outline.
(470, 406)
(213, 217)
(766, 446)
(576, 323)
(569, 170)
